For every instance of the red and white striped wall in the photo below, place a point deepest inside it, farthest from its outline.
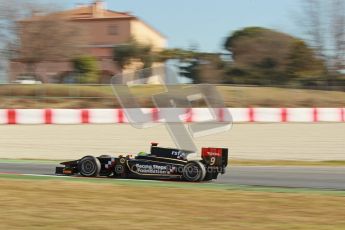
(113, 116)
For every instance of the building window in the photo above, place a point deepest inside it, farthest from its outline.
(113, 30)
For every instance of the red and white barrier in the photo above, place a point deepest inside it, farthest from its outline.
(112, 116)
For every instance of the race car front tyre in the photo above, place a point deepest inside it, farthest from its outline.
(194, 171)
(89, 166)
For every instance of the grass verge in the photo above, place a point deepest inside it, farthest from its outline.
(54, 204)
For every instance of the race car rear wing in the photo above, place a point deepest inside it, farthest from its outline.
(215, 156)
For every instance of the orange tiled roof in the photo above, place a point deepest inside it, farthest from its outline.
(85, 12)
(88, 12)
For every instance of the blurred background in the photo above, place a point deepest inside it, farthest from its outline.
(69, 55)
(272, 50)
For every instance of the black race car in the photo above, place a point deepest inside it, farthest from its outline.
(160, 163)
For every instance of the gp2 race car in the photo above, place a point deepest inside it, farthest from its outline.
(160, 163)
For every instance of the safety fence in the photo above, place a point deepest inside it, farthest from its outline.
(154, 115)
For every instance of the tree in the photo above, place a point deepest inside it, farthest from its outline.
(256, 46)
(188, 62)
(48, 37)
(176, 53)
(265, 56)
(10, 12)
(87, 69)
(199, 67)
(302, 63)
(146, 56)
(124, 54)
(32, 32)
(323, 23)
(190, 68)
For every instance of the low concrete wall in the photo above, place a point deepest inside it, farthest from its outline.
(317, 141)
(115, 116)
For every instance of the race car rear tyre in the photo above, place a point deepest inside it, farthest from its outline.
(89, 166)
(194, 171)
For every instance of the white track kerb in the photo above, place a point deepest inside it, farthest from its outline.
(117, 116)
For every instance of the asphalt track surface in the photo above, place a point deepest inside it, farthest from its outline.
(272, 176)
